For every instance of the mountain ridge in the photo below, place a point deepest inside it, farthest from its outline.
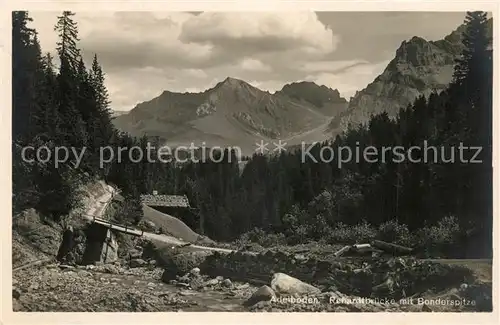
(237, 113)
(233, 112)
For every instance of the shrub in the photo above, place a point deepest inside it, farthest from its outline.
(128, 212)
(344, 234)
(394, 232)
(440, 239)
(300, 235)
(262, 238)
(364, 232)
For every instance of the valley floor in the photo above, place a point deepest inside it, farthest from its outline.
(40, 284)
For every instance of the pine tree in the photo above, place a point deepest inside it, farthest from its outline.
(23, 74)
(67, 30)
(103, 129)
(98, 80)
(73, 132)
(50, 103)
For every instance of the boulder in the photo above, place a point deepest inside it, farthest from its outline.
(195, 271)
(183, 262)
(264, 293)
(196, 283)
(285, 284)
(134, 254)
(16, 293)
(243, 286)
(227, 283)
(212, 282)
(168, 275)
(185, 278)
(137, 262)
(111, 269)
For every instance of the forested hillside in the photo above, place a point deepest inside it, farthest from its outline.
(447, 199)
(56, 107)
(280, 198)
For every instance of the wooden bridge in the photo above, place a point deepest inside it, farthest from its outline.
(117, 227)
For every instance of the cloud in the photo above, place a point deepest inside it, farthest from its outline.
(254, 65)
(197, 73)
(260, 31)
(324, 66)
(145, 53)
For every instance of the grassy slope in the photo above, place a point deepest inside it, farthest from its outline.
(170, 225)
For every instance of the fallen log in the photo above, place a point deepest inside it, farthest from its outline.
(342, 251)
(391, 248)
(362, 247)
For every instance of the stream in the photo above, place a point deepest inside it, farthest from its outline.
(205, 300)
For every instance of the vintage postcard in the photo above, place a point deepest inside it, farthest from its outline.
(327, 160)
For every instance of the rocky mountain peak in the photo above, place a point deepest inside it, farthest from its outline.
(233, 83)
(419, 67)
(311, 92)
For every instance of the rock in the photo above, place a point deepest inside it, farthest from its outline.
(212, 282)
(264, 293)
(152, 263)
(243, 286)
(16, 306)
(261, 306)
(134, 253)
(219, 278)
(464, 286)
(66, 267)
(168, 275)
(227, 283)
(196, 283)
(138, 262)
(426, 308)
(332, 296)
(16, 293)
(112, 269)
(300, 257)
(285, 284)
(185, 278)
(182, 263)
(195, 271)
(385, 287)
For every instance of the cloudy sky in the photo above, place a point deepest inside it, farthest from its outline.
(144, 53)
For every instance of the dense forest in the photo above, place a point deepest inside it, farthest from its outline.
(274, 199)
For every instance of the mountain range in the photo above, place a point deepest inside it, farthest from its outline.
(234, 113)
